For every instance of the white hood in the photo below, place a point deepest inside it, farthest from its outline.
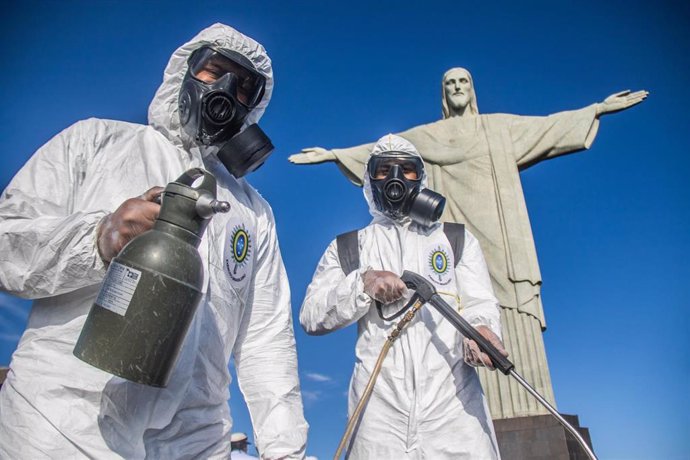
(387, 144)
(163, 111)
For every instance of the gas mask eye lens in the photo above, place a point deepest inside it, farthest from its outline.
(209, 72)
(382, 171)
(208, 66)
(380, 167)
(410, 171)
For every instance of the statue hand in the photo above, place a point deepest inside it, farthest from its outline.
(312, 155)
(621, 101)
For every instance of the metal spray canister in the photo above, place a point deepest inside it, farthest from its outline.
(138, 323)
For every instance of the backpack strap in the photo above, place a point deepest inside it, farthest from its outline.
(348, 251)
(348, 246)
(456, 237)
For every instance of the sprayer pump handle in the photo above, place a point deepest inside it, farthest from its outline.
(208, 184)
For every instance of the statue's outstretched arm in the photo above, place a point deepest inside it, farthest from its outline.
(351, 161)
(312, 155)
(621, 101)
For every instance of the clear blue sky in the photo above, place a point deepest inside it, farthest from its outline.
(611, 224)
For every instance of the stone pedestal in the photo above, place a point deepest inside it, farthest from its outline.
(539, 437)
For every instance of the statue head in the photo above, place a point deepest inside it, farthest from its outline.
(458, 97)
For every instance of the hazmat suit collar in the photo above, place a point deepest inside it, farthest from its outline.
(163, 111)
(389, 143)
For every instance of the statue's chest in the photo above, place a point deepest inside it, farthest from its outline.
(453, 141)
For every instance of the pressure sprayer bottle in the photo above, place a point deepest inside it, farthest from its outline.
(138, 323)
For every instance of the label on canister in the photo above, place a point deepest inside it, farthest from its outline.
(118, 288)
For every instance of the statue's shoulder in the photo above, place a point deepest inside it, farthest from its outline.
(432, 125)
(497, 120)
(424, 129)
(484, 117)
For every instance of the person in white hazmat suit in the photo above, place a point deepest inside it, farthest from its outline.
(68, 212)
(427, 401)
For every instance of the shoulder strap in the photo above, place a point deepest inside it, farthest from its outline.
(348, 251)
(348, 246)
(456, 237)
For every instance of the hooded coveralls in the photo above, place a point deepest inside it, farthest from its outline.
(54, 405)
(426, 403)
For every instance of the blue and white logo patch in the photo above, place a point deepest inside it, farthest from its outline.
(239, 252)
(241, 245)
(438, 266)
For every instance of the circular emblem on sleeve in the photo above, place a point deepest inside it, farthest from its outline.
(439, 261)
(240, 245)
(438, 264)
(238, 253)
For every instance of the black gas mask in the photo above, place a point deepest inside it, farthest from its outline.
(396, 184)
(219, 90)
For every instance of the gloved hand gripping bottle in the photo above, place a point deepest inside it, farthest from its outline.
(138, 323)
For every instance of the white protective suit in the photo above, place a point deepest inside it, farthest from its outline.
(427, 403)
(56, 406)
(240, 455)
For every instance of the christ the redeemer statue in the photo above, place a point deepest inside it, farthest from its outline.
(474, 161)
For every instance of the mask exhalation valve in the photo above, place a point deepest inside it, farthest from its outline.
(219, 108)
(395, 190)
